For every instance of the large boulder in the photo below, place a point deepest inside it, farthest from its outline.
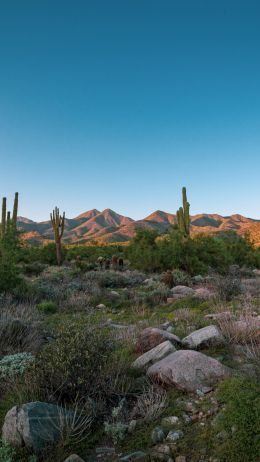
(152, 336)
(207, 336)
(188, 370)
(154, 355)
(34, 425)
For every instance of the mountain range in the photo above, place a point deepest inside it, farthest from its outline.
(109, 226)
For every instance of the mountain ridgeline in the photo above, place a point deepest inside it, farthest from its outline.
(109, 226)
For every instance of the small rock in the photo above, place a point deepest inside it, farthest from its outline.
(161, 452)
(198, 279)
(157, 435)
(172, 420)
(222, 436)
(73, 458)
(223, 315)
(137, 455)
(203, 391)
(187, 419)
(105, 450)
(148, 281)
(101, 306)
(184, 291)
(174, 436)
(132, 426)
(114, 293)
(170, 329)
(166, 325)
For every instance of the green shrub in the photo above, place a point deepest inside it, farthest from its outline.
(228, 286)
(79, 362)
(240, 419)
(7, 453)
(115, 279)
(47, 307)
(196, 255)
(48, 253)
(12, 366)
(9, 274)
(180, 278)
(34, 268)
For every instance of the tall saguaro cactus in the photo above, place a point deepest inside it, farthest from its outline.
(9, 223)
(58, 222)
(15, 210)
(183, 215)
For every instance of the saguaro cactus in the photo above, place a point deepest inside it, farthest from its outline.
(15, 210)
(9, 223)
(58, 222)
(183, 215)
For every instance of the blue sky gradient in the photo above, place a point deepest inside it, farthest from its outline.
(118, 103)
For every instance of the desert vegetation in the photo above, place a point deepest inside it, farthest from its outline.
(146, 351)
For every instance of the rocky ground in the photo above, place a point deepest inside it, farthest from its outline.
(116, 366)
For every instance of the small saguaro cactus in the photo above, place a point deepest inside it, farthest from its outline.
(58, 222)
(183, 215)
(9, 223)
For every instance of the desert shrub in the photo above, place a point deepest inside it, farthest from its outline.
(142, 251)
(82, 266)
(48, 253)
(47, 307)
(7, 453)
(240, 249)
(92, 252)
(34, 268)
(228, 286)
(79, 362)
(9, 273)
(196, 255)
(12, 366)
(114, 279)
(240, 419)
(116, 427)
(181, 278)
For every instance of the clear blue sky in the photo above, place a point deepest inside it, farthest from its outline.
(118, 103)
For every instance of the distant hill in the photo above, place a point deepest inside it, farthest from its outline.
(109, 226)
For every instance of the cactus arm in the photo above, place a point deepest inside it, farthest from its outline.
(3, 224)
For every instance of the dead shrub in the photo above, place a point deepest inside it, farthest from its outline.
(150, 404)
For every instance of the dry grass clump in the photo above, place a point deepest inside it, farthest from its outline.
(228, 287)
(20, 329)
(150, 404)
(184, 315)
(25, 311)
(243, 328)
(252, 286)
